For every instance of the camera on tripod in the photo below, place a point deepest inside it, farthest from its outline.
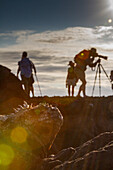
(98, 71)
(99, 57)
(103, 57)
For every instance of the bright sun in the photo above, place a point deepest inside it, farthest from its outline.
(109, 20)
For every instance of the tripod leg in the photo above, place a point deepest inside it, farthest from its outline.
(95, 80)
(105, 73)
(99, 80)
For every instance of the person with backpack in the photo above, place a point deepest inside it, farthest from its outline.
(25, 67)
(71, 78)
(83, 59)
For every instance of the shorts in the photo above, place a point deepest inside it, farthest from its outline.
(31, 80)
(28, 81)
(80, 75)
(70, 82)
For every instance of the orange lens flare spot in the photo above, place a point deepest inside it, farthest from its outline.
(6, 154)
(19, 135)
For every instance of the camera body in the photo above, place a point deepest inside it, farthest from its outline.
(99, 56)
(103, 57)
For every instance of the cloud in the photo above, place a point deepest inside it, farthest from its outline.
(64, 42)
(52, 68)
(104, 33)
(56, 40)
(16, 33)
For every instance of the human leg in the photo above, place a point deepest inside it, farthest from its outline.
(27, 87)
(31, 81)
(81, 76)
(83, 86)
(73, 90)
(68, 90)
(32, 90)
(25, 82)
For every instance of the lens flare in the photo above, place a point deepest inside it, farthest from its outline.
(109, 20)
(19, 135)
(6, 154)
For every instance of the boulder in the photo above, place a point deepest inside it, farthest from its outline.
(11, 91)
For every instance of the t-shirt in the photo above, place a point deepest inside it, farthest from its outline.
(71, 73)
(26, 67)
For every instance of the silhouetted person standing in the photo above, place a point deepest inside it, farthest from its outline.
(71, 79)
(25, 67)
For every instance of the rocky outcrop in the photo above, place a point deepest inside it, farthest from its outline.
(11, 92)
(96, 154)
(84, 119)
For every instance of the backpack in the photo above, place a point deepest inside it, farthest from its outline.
(83, 55)
(25, 67)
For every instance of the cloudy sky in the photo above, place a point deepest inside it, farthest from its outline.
(52, 32)
(53, 14)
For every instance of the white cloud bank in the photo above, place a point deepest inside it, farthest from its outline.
(51, 50)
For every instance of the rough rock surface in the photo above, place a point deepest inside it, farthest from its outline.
(11, 92)
(28, 134)
(96, 154)
(84, 119)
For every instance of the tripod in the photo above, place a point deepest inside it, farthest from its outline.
(98, 71)
(38, 84)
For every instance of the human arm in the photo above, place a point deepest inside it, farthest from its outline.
(92, 64)
(18, 70)
(67, 77)
(34, 68)
(66, 82)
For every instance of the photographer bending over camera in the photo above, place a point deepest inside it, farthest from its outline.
(83, 59)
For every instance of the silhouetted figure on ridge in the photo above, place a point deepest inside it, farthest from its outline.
(71, 78)
(83, 59)
(25, 68)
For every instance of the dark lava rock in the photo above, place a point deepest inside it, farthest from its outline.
(11, 92)
(96, 154)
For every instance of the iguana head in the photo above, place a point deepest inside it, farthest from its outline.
(29, 132)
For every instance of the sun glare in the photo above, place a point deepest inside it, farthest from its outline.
(109, 20)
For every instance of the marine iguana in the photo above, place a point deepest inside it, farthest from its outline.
(27, 134)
